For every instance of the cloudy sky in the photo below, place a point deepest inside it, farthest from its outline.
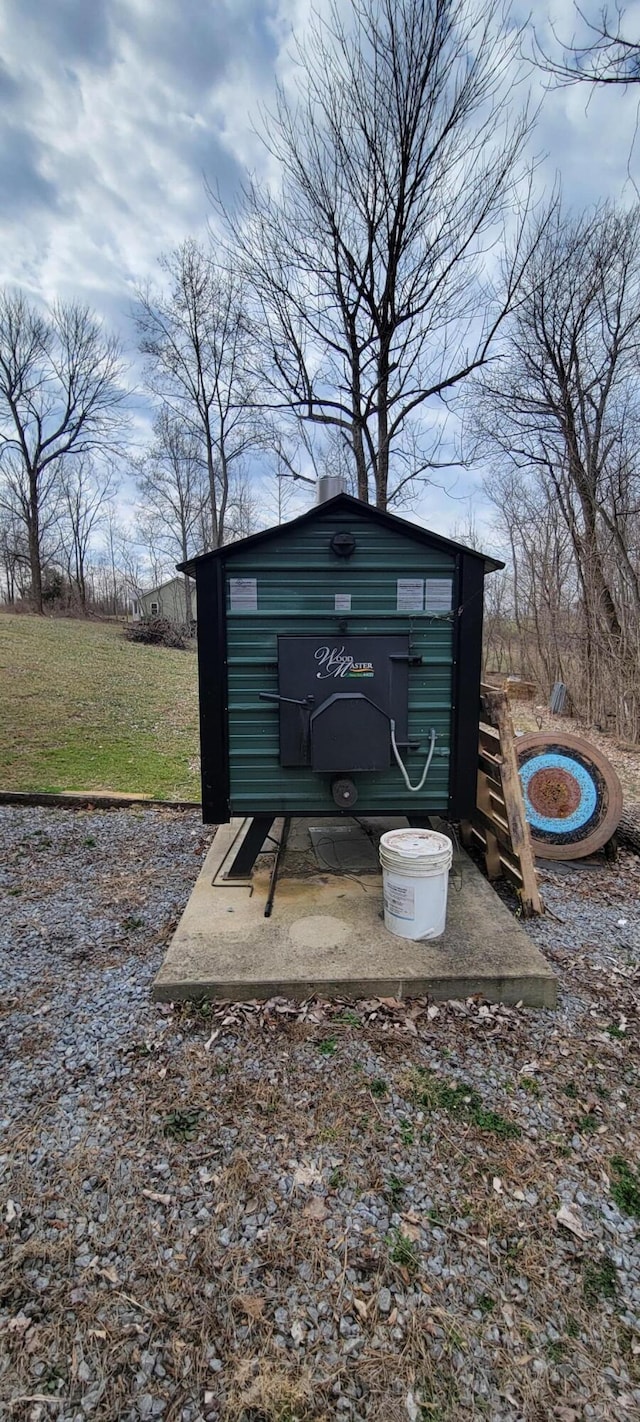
(114, 112)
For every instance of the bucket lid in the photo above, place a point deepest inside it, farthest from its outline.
(415, 843)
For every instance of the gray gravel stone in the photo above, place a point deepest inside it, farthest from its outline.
(93, 1070)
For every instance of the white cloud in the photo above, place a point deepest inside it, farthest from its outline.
(114, 111)
(119, 118)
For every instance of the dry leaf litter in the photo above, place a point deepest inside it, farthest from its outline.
(281, 1212)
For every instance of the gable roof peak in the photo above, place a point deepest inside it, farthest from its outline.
(340, 503)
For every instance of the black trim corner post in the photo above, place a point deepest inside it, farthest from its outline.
(467, 674)
(212, 674)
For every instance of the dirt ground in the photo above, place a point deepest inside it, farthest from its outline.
(376, 1211)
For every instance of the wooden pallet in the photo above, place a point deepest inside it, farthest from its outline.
(500, 823)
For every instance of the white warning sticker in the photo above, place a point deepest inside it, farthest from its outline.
(342, 602)
(400, 899)
(437, 595)
(243, 594)
(410, 595)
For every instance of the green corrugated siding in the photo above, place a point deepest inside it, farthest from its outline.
(298, 577)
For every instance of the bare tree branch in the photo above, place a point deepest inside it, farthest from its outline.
(173, 491)
(196, 335)
(86, 487)
(62, 397)
(607, 56)
(560, 414)
(399, 161)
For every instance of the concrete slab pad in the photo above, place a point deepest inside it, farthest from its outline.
(347, 848)
(326, 935)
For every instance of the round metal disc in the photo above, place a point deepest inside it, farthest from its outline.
(345, 792)
(572, 795)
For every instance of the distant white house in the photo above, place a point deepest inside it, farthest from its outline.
(169, 600)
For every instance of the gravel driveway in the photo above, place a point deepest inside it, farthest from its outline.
(351, 1210)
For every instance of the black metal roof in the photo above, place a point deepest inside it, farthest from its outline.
(342, 503)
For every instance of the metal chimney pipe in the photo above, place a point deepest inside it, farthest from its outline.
(328, 486)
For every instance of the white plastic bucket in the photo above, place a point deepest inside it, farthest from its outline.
(415, 878)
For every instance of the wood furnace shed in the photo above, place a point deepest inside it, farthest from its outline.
(334, 651)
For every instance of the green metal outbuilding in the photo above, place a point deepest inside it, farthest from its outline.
(339, 655)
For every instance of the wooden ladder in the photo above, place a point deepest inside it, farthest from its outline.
(499, 824)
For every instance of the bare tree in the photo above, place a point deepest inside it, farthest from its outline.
(14, 555)
(608, 55)
(397, 167)
(173, 492)
(86, 487)
(543, 590)
(563, 409)
(16, 506)
(279, 494)
(61, 395)
(113, 536)
(298, 460)
(196, 336)
(119, 570)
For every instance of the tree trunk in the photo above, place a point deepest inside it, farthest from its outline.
(629, 827)
(593, 565)
(361, 464)
(80, 580)
(34, 548)
(82, 587)
(224, 495)
(382, 462)
(215, 542)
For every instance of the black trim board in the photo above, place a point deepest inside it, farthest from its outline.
(467, 675)
(213, 694)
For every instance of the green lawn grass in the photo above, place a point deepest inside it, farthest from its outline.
(83, 709)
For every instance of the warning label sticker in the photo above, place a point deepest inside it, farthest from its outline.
(400, 900)
(410, 594)
(437, 595)
(243, 595)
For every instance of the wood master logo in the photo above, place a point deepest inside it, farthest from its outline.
(361, 669)
(336, 662)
